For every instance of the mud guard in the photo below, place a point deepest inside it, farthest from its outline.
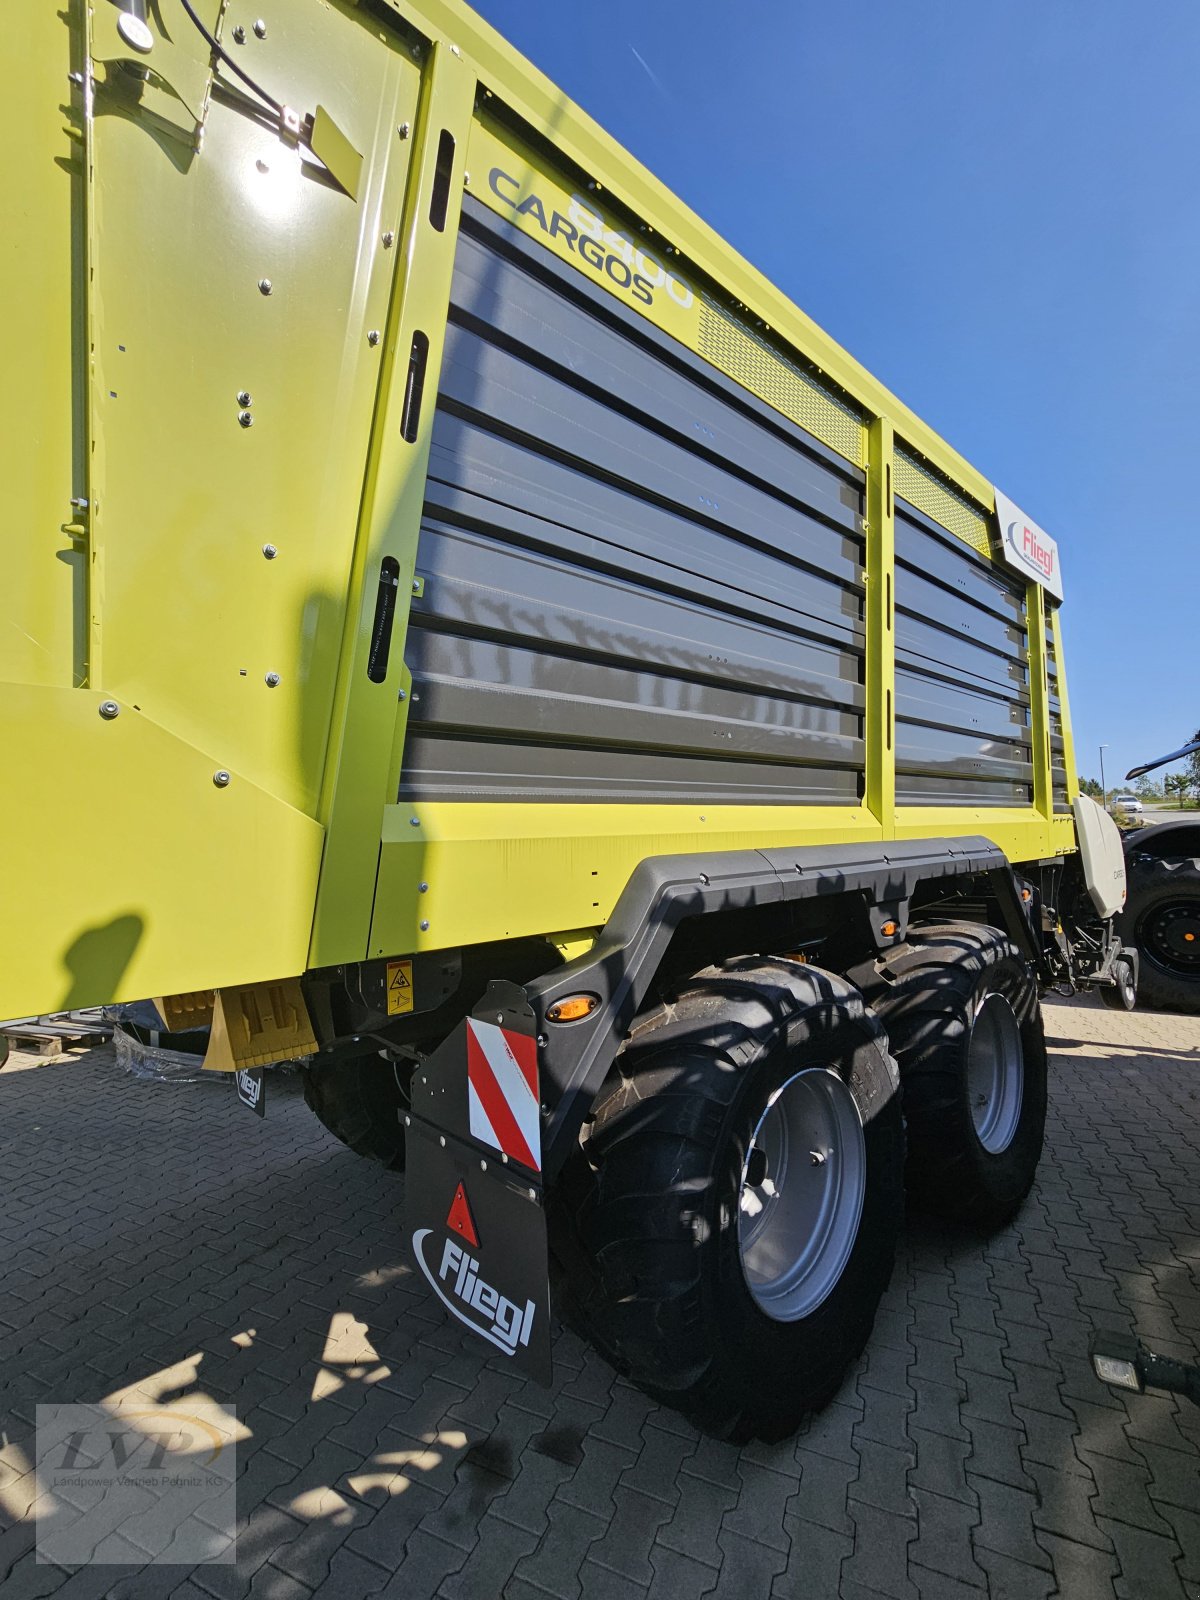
(473, 1210)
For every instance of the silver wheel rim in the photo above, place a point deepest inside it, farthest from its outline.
(995, 1074)
(801, 1194)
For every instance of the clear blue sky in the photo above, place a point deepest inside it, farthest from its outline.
(996, 208)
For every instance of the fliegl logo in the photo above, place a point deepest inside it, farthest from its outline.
(1027, 547)
(1038, 552)
(466, 1296)
(583, 232)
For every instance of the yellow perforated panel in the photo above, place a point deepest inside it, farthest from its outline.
(931, 494)
(799, 395)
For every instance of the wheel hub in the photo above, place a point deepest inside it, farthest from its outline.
(995, 1073)
(801, 1194)
(1171, 938)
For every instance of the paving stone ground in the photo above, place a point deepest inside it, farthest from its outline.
(159, 1240)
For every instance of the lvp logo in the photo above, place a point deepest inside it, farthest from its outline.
(465, 1294)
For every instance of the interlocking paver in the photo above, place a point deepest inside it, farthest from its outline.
(814, 1561)
(881, 1546)
(944, 1538)
(554, 1565)
(1006, 1522)
(1149, 1564)
(1122, 1493)
(941, 1466)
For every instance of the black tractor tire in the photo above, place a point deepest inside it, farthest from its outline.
(1122, 995)
(930, 993)
(647, 1227)
(362, 1102)
(1162, 910)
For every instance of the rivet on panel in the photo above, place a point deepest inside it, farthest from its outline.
(221, 779)
(404, 130)
(414, 822)
(270, 551)
(260, 29)
(424, 927)
(109, 709)
(239, 34)
(271, 680)
(389, 239)
(244, 397)
(246, 418)
(265, 285)
(422, 888)
(373, 337)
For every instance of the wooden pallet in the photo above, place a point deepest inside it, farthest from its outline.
(52, 1036)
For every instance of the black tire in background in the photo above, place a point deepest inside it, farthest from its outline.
(1162, 918)
(362, 1102)
(655, 1260)
(1122, 995)
(953, 996)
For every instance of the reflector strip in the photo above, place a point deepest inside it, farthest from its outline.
(502, 1092)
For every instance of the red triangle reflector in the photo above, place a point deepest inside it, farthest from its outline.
(460, 1218)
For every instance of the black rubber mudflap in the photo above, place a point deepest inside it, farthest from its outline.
(473, 1212)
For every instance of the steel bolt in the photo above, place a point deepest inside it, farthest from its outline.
(246, 418)
(270, 551)
(404, 130)
(260, 28)
(425, 926)
(239, 34)
(245, 398)
(442, 1140)
(414, 822)
(221, 779)
(817, 1157)
(483, 1166)
(422, 888)
(265, 285)
(403, 696)
(271, 680)
(389, 239)
(109, 709)
(373, 337)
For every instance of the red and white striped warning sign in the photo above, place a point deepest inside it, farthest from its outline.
(502, 1088)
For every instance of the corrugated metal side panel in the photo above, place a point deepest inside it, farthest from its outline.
(639, 582)
(1058, 761)
(962, 673)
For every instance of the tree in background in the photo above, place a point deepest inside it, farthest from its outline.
(1177, 785)
(1089, 786)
